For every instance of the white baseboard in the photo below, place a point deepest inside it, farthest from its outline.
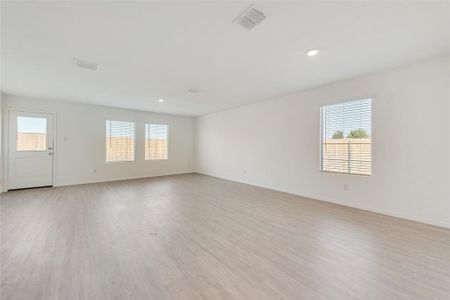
(408, 217)
(118, 179)
(403, 216)
(3, 186)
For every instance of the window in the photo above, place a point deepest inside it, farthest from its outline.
(31, 134)
(119, 141)
(346, 137)
(156, 144)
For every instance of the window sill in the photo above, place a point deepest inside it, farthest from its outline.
(345, 173)
(119, 162)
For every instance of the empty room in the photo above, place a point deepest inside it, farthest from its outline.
(225, 150)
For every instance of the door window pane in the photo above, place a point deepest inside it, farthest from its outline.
(31, 134)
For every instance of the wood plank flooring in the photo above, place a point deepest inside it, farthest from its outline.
(197, 237)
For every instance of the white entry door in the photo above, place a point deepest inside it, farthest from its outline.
(31, 152)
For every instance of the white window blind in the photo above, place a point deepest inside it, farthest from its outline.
(156, 142)
(346, 137)
(119, 141)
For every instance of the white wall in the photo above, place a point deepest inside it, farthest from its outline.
(80, 141)
(1, 148)
(275, 144)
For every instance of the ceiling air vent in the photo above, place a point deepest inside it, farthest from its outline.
(250, 17)
(86, 65)
(193, 91)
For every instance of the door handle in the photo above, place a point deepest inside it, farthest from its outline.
(50, 153)
(50, 148)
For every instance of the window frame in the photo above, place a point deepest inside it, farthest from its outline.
(134, 142)
(168, 141)
(45, 149)
(371, 98)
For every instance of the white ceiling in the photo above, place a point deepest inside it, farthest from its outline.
(151, 50)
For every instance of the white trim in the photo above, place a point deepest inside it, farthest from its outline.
(385, 212)
(124, 178)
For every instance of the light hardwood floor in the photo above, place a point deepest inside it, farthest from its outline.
(198, 237)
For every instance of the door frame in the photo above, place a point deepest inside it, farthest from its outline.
(7, 140)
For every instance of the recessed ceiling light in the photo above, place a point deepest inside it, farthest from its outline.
(313, 52)
(160, 100)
